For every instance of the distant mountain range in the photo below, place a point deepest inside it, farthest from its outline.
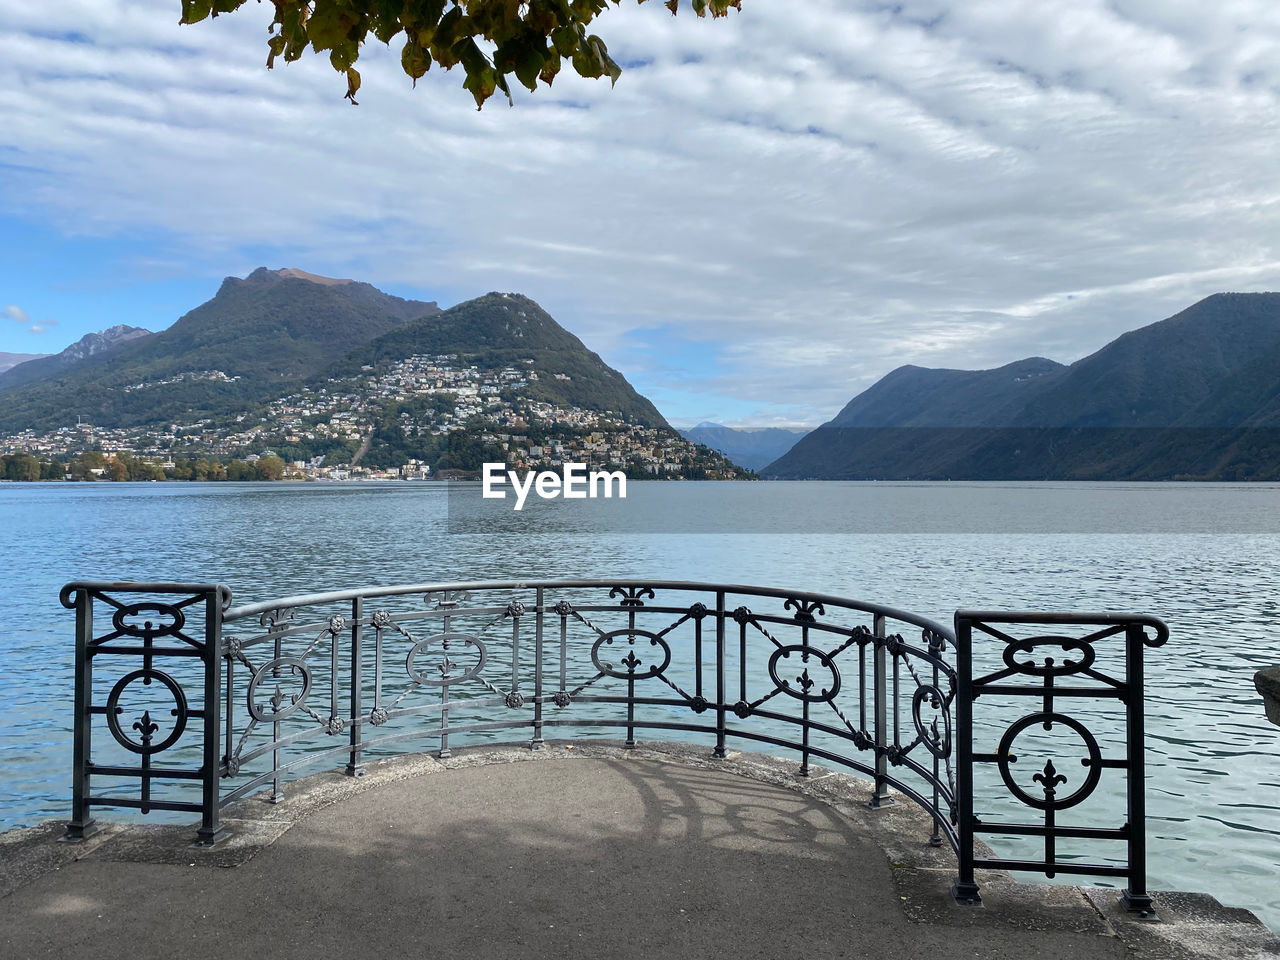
(749, 447)
(91, 344)
(263, 332)
(8, 360)
(1196, 396)
(279, 329)
(329, 371)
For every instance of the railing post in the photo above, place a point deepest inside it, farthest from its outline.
(82, 823)
(965, 889)
(211, 829)
(719, 752)
(277, 785)
(355, 768)
(536, 742)
(880, 796)
(1135, 898)
(936, 645)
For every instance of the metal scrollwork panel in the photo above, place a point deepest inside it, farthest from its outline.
(935, 731)
(282, 704)
(441, 674)
(1049, 666)
(1049, 760)
(631, 660)
(804, 683)
(125, 620)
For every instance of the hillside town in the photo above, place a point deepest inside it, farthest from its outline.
(422, 417)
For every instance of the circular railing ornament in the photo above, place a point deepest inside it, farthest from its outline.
(144, 725)
(1050, 779)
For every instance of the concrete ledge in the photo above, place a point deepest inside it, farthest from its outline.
(660, 847)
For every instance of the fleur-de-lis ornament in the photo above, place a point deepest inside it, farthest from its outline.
(804, 609)
(448, 599)
(1050, 779)
(145, 727)
(631, 596)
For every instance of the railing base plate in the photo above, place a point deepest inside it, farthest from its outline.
(211, 839)
(966, 895)
(79, 832)
(1141, 905)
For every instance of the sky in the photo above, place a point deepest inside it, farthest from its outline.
(764, 216)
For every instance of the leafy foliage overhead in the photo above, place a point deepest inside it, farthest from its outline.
(491, 39)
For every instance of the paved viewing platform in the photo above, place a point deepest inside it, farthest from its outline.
(581, 850)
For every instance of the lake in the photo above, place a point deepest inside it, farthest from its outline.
(1205, 558)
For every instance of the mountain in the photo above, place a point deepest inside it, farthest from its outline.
(276, 333)
(108, 339)
(921, 397)
(752, 447)
(1195, 396)
(338, 379)
(501, 329)
(90, 345)
(8, 360)
(256, 336)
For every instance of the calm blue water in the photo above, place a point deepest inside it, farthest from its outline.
(1204, 558)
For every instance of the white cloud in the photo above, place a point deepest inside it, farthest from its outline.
(833, 188)
(16, 313)
(36, 328)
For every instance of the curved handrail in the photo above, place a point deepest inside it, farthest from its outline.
(333, 596)
(67, 599)
(1105, 617)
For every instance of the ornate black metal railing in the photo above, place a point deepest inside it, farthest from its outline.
(280, 685)
(1100, 664)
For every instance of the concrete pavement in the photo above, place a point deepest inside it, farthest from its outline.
(579, 851)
